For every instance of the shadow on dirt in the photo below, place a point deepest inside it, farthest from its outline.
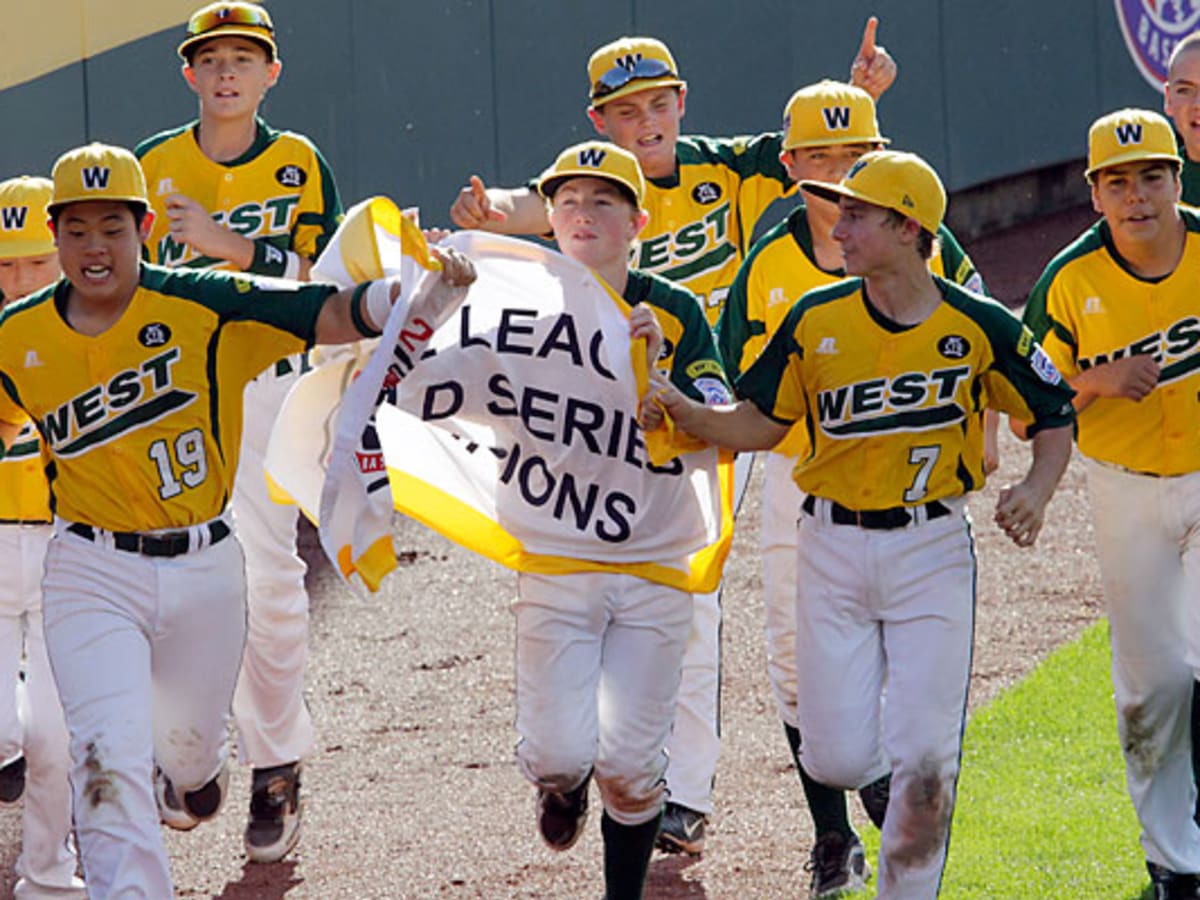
(271, 881)
(666, 878)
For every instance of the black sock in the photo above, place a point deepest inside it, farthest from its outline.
(627, 850)
(826, 805)
(1196, 741)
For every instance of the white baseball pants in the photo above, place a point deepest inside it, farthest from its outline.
(145, 652)
(1148, 543)
(695, 743)
(273, 722)
(777, 537)
(894, 607)
(598, 660)
(31, 721)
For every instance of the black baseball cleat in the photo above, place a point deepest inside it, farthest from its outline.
(682, 830)
(561, 817)
(838, 865)
(1170, 885)
(12, 780)
(274, 824)
(186, 812)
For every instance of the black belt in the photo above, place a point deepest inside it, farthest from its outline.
(169, 543)
(896, 517)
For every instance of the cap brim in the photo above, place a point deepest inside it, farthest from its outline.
(639, 84)
(230, 31)
(54, 208)
(551, 182)
(832, 192)
(18, 249)
(1134, 156)
(835, 142)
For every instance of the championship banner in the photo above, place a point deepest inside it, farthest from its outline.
(511, 429)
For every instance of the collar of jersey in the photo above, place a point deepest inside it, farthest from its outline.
(264, 136)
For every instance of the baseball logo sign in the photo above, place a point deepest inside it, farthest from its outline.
(1151, 29)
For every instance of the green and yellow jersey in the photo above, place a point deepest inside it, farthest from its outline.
(780, 269)
(280, 193)
(142, 423)
(24, 493)
(1189, 177)
(893, 413)
(701, 216)
(688, 351)
(1089, 308)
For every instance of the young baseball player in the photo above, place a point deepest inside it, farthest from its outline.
(586, 636)
(703, 196)
(1117, 312)
(889, 371)
(33, 736)
(140, 414)
(828, 127)
(1181, 99)
(230, 192)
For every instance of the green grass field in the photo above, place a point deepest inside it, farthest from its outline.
(1042, 809)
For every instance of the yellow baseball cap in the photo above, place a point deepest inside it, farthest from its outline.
(628, 65)
(1130, 135)
(595, 159)
(24, 222)
(830, 112)
(899, 181)
(234, 19)
(98, 172)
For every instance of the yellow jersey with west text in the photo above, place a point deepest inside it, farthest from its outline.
(892, 413)
(780, 269)
(24, 493)
(702, 215)
(1089, 308)
(280, 193)
(142, 423)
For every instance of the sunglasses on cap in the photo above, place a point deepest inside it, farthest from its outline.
(619, 76)
(218, 16)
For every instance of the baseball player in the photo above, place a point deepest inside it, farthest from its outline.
(230, 192)
(1117, 312)
(1181, 99)
(828, 126)
(703, 196)
(586, 633)
(140, 414)
(33, 736)
(889, 371)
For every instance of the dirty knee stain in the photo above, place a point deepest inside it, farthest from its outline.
(622, 794)
(1139, 745)
(924, 819)
(100, 786)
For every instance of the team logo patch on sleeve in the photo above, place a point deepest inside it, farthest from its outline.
(704, 367)
(1025, 342)
(954, 346)
(291, 176)
(706, 192)
(713, 390)
(667, 350)
(154, 335)
(1043, 367)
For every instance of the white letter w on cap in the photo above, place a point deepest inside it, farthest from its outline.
(1129, 133)
(837, 118)
(592, 156)
(95, 177)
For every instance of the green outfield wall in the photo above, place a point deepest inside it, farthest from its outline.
(407, 98)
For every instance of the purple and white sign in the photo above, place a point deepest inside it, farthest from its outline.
(1152, 28)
